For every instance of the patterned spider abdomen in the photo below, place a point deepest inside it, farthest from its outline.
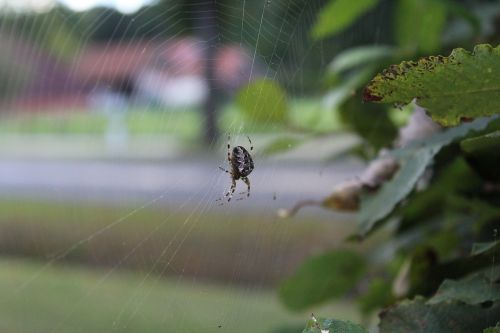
(241, 162)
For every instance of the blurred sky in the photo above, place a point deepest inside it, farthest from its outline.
(124, 6)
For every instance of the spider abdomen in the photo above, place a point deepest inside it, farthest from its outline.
(241, 162)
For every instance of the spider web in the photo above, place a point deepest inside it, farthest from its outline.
(124, 236)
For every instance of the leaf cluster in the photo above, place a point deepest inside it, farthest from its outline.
(437, 203)
(420, 27)
(436, 271)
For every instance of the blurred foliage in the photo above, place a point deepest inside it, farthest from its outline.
(378, 206)
(492, 329)
(52, 32)
(34, 42)
(483, 247)
(361, 55)
(321, 325)
(345, 11)
(446, 317)
(413, 160)
(478, 150)
(378, 294)
(439, 209)
(321, 278)
(420, 24)
(281, 144)
(14, 75)
(473, 290)
(263, 101)
(371, 122)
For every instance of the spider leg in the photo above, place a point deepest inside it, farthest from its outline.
(230, 193)
(247, 181)
(251, 144)
(229, 149)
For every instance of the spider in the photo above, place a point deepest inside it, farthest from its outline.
(241, 164)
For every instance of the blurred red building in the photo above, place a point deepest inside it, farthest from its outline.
(166, 73)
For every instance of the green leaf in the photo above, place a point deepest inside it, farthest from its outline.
(378, 295)
(280, 145)
(495, 329)
(332, 326)
(463, 85)
(413, 161)
(449, 317)
(481, 248)
(489, 143)
(378, 206)
(370, 121)
(263, 101)
(360, 55)
(321, 278)
(428, 203)
(482, 211)
(482, 154)
(475, 289)
(338, 15)
(419, 24)
(432, 274)
(466, 14)
(347, 89)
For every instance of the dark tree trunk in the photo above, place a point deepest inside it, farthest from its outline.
(207, 27)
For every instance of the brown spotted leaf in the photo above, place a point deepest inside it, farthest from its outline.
(464, 85)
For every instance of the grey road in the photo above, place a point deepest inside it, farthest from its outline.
(171, 183)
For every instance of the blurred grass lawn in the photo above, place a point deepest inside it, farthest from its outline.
(184, 123)
(103, 298)
(205, 245)
(239, 249)
(72, 300)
